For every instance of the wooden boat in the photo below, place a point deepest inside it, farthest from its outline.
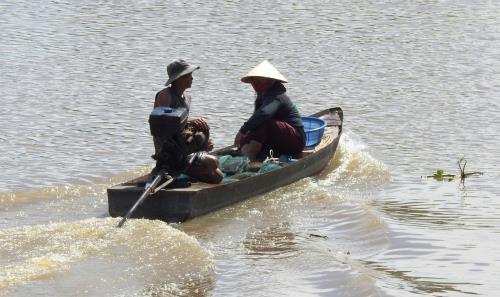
(181, 204)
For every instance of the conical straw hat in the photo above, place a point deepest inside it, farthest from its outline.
(264, 69)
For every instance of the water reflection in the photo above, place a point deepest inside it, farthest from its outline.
(414, 284)
(432, 214)
(276, 241)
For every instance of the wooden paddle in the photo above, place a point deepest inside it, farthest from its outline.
(150, 189)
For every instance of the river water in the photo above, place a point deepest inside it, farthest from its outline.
(419, 83)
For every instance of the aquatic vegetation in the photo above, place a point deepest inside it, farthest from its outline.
(462, 162)
(441, 175)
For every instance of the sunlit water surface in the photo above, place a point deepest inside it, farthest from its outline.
(419, 83)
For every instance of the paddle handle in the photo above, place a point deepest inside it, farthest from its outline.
(149, 190)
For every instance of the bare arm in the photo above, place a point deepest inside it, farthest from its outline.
(163, 98)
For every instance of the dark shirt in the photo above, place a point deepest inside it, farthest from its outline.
(276, 105)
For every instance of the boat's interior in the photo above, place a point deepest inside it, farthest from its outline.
(334, 125)
(185, 183)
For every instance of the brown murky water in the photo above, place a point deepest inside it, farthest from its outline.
(419, 85)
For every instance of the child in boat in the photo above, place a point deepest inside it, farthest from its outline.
(275, 123)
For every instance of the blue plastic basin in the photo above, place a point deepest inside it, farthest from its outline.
(314, 128)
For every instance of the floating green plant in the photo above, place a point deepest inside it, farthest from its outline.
(441, 175)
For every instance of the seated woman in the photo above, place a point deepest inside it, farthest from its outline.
(275, 123)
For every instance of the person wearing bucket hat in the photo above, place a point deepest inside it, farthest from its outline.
(275, 123)
(204, 166)
(180, 78)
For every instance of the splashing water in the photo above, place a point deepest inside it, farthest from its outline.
(158, 257)
(353, 167)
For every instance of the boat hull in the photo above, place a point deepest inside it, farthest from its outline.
(179, 205)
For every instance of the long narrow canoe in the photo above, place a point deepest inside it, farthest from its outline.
(181, 204)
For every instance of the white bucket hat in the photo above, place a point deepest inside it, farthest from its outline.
(264, 69)
(177, 69)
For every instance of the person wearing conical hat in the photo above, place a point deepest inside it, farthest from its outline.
(203, 166)
(275, 123)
